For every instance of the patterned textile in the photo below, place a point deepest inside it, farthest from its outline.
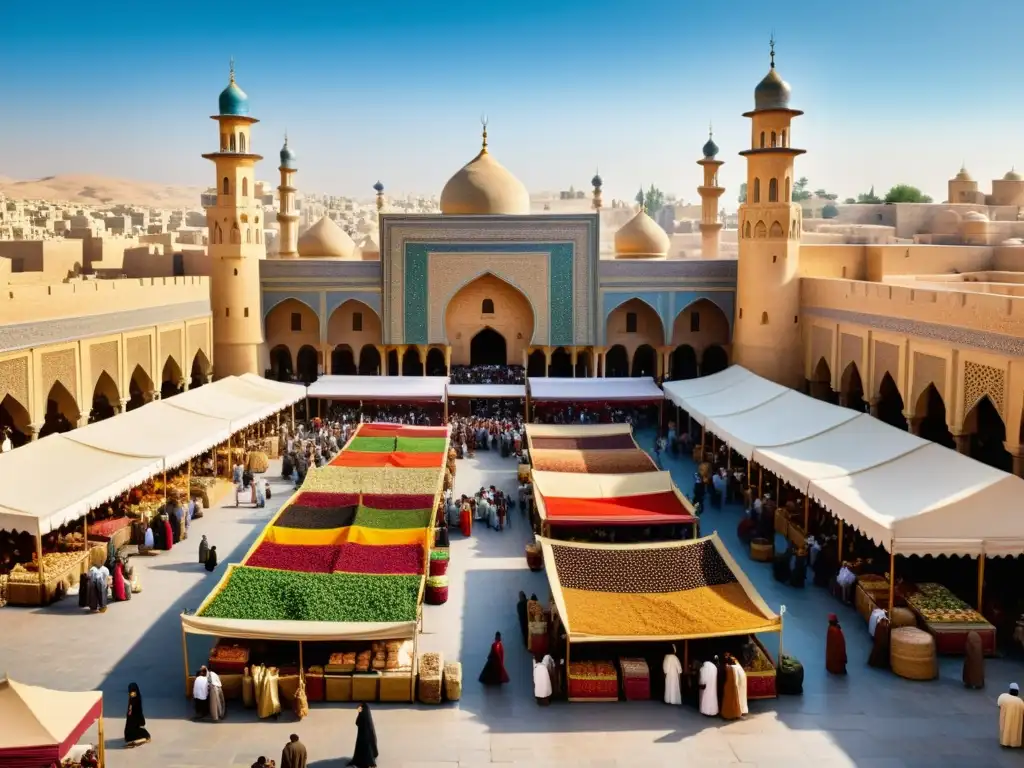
(618, 462)
(594, 443)
(376, 444)
(634, 668)
(641, 509)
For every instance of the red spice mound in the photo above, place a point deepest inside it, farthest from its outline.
(390, 559)
(397, 501)
(325, 500)
(295, 557)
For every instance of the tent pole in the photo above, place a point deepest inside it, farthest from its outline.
(778, 491)
(760, 485)
(415, 661)
(230, 464)
(184, 655)
(85, 533)
(703, 433)
(302, 667)
(39, 560)
(101, 746)
(445, 411)
(840, 554)
(293, 418)
(807, 513)
(981, 579)
(165, 484)
(892, 576)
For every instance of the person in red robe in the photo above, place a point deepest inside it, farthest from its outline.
(120, 593)
(168, 535)
(466, 518)
(835, 647)
(494, 670)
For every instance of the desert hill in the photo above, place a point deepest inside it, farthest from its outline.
(100, 190)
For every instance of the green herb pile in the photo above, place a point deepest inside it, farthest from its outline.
(371, 444)
(420, 444)
(268, 595)
(392, 519)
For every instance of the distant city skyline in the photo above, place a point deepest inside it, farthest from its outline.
(893, 93)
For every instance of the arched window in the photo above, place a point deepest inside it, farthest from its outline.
(762, 139)
(773, 191)
(757, 190)
(223, 142)
(236, 235)
(218, 235)
(248, 235)
(245, 187)
(760, 230)
(784, 138)
(776, 230)
(241, 142)
(487, 307)
(787, 189)
(227, 186)
(232, 142)
(746, 230)
(764, 318)
(774, 140)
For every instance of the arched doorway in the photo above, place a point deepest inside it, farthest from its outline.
(435, 363)
(645, 361)
(140, 389)
(306, 364)
(537, 364)
(890, 404)
(632, 325)
(852, 389)
(714, 360)
(343, 361)
(171, 380)
(369, 361)
(616, 362)
(411, 365)
(200, 369)
(353, 324)
(14, 416)
(281, 363)
(561, 364)
(700, 325)
(392, 362)
(583, 365)
(821, 382)
(931, 410)
(683, 363)
(488, 303)
(105, 399)
(987, 431)
(61, 411)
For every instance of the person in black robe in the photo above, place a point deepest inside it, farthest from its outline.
(211, 560)
(521, 611)
(365, 753)
(174, 517)
(720, 679)
(135, 721)
(798, 573)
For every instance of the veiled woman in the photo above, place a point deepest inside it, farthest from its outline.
(879, 657)
(365, 753)
(974, 662)
(135, 721)
(524, 628)
(494, 670)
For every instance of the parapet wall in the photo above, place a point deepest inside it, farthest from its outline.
(884, 260)
(32, 303)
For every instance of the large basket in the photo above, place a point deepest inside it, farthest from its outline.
(435, 595)
(902, 617)
(453, 680)
(912, 654)
(438, 567)
(534, 557)
(258, 462)
(762, 551)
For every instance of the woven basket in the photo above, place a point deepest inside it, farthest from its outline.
(438, 567)
(902, 617)
(258, 462)
(453, 680)
(762, 550)
(534, 557)
(435, 595)
(912, 654)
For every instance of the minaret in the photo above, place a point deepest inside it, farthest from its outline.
(379, 189)
(596, 181)
(709, 192)
(766, 338)
(235, 240)
(288, 215)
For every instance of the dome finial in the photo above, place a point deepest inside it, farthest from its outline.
(483, 125)
(711, 130)
(286, 137)
(771, 48)
(231, 69)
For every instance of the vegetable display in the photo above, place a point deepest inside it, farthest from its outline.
(397, 519)
(294, 557)
(395, 559)
(371, 444)
(421, 444)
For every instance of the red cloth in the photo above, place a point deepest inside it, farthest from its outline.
(499, 651)
(119, 587)
(835, 650)
(168, 535)
(643, 509)
(466, 521)
(400, 430)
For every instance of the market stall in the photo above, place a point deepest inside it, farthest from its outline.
(486, 391)
(41, 726)
(402, 389)
(598, 448)
(639, 389)
(610, 596)
(338, 574)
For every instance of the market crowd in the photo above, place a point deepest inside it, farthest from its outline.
(487, 374)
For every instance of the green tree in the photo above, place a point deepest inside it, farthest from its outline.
(870, 198)
(904, 193)
(849, 201)
(655, 200)
(829, 211)
(800, 191)
(823, 195)
(743, 193)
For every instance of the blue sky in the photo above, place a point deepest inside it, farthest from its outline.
(893, 91)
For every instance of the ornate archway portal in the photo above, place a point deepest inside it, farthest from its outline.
(489, 321)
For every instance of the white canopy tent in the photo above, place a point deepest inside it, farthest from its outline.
(639, 389)
(743, 395)
(681, 391)
(407, 389)
(486, 391)
(240, 402)
(52, 481)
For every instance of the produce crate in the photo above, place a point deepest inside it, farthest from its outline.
(366, 687)
(453, 680)
(593, 681)
(316, 687)
(338, 687)
(431, 666)
(396, 686)
(636, 679)
(287, 687)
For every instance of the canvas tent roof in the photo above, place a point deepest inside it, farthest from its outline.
(35, 500)
(40, 725)
(408, 389)
(577, 430)
(595, 390)
(681, 391)
(240, 402)
(652, 592)
(744, 395)
(510, 391)
(243, 629)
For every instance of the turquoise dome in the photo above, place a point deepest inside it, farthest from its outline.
(233, 100)
(288, 158)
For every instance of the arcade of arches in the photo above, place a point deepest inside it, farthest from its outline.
(982, 433)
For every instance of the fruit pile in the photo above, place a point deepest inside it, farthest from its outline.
(938, 605)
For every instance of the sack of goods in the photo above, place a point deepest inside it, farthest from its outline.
(437, 590)
(453, 680)
(258, 462)
(431, 666)
(439, 559)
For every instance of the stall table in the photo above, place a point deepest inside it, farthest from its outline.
(949, 619)
(593, 681)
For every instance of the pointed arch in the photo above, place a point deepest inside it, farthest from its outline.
(392, 364)
(412, 365)
(645, 361)
(514, 317)
(634, 322)
(200, 369)
(537, 364)
(292, 323)
(343, 361)
(369, 361)
(760, 230)
(890, 403)
(821, 381)
(226, 186)
(616, 362)
(746, 230)
(987, 429)
(930, 412)
(584, 364)
(683, 363)
(106, 400)
(714, 360)
(236, 234)
(62, 412)
(140, 388)
(245, 186)
(851, 388)
(776, 230)
(281, 363)
(307, 364)
(561, 364)
(435, 362)
(171, 378)
(15, 416)
(241, 142)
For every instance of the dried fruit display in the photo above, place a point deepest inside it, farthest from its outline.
(324, 500)
(938, 605)
(398, 501)
(431, 665)
(316, 518)
(617, 462)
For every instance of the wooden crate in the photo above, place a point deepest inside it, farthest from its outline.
(396, 686)
(338, 687)
(365, 687)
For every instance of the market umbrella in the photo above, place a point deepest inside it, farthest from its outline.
(40, 726)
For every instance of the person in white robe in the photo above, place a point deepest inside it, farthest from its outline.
(541, 683)
(216, 696)
(1011, 717)
(708, 689)
(741, 685)
(672, 669)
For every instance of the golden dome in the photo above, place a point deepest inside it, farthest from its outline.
(326, 240)
(641, 238)
(963, 175)
(484, 186)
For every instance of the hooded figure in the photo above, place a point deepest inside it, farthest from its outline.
(879, 657)
(135, 720)
(521, 611)
(835, 647)
(365, 753)
(294, 753)
(204, 549)
(974, 662)
(211, 560)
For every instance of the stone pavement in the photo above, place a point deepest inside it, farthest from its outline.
(869, 718)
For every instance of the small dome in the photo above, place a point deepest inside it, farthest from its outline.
(1012, 175)
(484, 186)
(963, 175)
(975, 216)
(710, 149)
(641, 238)
(326, 240)
(289, 159)
(378, 187)
(233, 100)
(772, 92)
(596, 182)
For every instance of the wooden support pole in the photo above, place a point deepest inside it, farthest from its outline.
(760, 485)
(184, 656)
(686, 656)
(445, 411)
(85, 532)
(39, 560)
(101, 745)
(230, 464)
(807, 512)
(165, 484)
(778, 491)
(302, 666)
(981, 579)
(892, 576)
(840, 553)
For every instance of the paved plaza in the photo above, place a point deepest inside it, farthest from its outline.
(869, 718)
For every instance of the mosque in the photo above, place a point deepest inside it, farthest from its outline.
(926, 333)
